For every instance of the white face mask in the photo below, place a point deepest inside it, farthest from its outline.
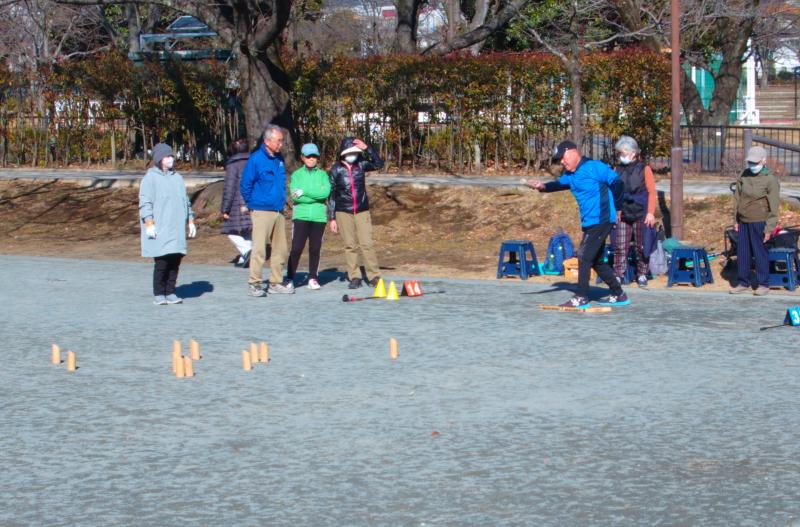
(168, 162)
(755, 169)
(626, 160)
(350, 159)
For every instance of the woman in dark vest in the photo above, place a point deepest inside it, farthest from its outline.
(637, 217)
(237, 223)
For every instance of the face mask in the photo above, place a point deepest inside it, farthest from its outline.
(168, 162)
(755, 169)
(626, 160)
(350, 159)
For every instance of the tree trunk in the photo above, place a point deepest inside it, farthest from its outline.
(265, 88)
(406, 32)
(575, 78)
(707, 146)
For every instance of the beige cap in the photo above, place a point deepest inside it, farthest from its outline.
(756, 154)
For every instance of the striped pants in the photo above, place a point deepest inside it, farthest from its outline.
(622, 241)
(750, 245)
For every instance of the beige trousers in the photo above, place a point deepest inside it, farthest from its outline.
(268, 225)
(356, 231)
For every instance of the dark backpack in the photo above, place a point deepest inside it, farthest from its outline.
(559, 248)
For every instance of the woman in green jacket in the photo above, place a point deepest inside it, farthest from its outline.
(310, 188)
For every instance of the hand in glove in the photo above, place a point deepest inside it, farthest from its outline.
(150, 230)
(192, 230)
(296, 193)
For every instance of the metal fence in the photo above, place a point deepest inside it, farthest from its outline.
(436, 146)
(722, 149)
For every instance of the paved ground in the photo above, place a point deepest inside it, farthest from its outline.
(130, 178)
(674, 411)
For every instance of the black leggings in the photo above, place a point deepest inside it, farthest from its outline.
(303, 230)
(165, 273)
(590, 255)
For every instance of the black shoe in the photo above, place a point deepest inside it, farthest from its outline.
(614, 300)
(355, 283)
(374, 281)
(246, 259)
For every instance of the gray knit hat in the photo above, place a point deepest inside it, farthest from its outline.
(160, 151)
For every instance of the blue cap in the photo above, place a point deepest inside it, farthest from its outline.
(310, 149)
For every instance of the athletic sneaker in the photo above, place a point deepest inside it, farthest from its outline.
(174, 299)
(286, 288)
(761, 290)
(355, 283)
(160, 300)
(374, 281)
(641, 281)
(614, 300)
(313, 284)
(579, 302)
(256, 290)
(739, 289)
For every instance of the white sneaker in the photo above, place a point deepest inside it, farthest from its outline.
(313, 284)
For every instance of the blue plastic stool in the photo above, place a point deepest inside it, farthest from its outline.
(784, 269)
(521, 259)
(689, 265)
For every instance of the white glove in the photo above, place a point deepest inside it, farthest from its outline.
(192, 230)
(150, 230)
(296, 193)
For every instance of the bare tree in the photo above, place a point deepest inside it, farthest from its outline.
(407, 22)
(34, 33)
(252, 30)
(568, 29)
(714, 37)
(461, 33)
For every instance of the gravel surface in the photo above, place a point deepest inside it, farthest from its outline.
(675, 410)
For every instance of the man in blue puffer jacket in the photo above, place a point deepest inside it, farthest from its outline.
(263, 188)
(598, 191)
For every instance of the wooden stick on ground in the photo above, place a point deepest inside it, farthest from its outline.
(600, 309)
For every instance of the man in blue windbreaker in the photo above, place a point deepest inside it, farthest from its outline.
(598, 191)
(263, 188)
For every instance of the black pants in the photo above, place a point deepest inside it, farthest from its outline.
(590, 255)
(303, 230)
(165, 273)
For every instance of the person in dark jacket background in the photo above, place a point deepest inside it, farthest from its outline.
(237, 224)
(348, 210)
(598, 191)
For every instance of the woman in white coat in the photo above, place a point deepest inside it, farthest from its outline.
(164, 213)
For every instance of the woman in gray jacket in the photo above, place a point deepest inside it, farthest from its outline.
(164, 212)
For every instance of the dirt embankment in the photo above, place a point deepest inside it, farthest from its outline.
(419, 230)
